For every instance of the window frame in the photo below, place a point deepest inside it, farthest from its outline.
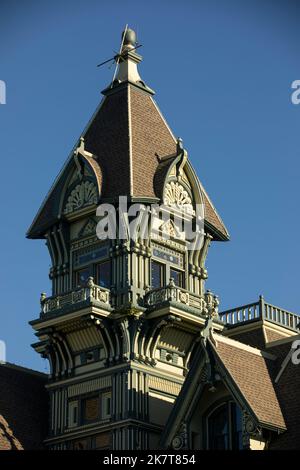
(179, 271)
(78, 402)
(162, 267)
(167, 267)
(91, 265)
(96, 272)
(228, 403)
(82, 421)
(77, 273)
(105, 396)
(72, 406)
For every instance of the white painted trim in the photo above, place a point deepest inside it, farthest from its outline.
(243, 328)
(242, 346)
(66, 163)
(163, 119)
(130, 365)
(279, 329)
(162, 397)
(213, 207)
(71, 316)
(130, 140)
(279, 342)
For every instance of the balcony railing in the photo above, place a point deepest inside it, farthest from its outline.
(91, 293)
(172, 294)
(207, 304)
(260, 310)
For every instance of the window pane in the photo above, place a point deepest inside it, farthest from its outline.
(106, 403)
(218, 429)
(157, 275)
(73, 414)
(236, 422)
(104, 274)
(82, 276)
(177, 276)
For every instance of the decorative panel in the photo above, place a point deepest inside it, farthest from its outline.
(175, 340)
(163, 385)
(89, 254)
(176, 195)
(84, 194)
(84, 339)
(167, 254)
(89, 386)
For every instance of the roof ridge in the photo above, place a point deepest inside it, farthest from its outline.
(130, 139)
(163, 118)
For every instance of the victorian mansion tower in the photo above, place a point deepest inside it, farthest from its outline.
(123, 321)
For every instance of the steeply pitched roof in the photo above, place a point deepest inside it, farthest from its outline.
(247, 372)
(253, 373)
(23, 420)
(287, 389)
(128, 137)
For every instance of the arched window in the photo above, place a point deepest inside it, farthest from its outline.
(224, 427)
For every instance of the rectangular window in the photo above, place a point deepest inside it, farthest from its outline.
(73, 414)
(106, 405)
(177, 276)
(103, 274)
(157, 275)
(90, 410)
(82, 277)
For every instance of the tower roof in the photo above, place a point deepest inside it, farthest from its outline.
(130, 147)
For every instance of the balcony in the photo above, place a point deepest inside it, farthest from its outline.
(260, 310)
(80, 297)
(203, 305)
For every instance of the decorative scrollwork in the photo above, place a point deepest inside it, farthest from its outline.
(180, 440)
(176, 195)
(84, 194)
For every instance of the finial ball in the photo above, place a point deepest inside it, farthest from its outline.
(130, 38)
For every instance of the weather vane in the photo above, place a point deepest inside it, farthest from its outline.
(128, 40)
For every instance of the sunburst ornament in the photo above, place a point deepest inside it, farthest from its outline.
(85, 194)
(176, 195)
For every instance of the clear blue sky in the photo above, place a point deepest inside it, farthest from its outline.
(222, 73)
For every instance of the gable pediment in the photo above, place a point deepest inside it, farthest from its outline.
(84, 194)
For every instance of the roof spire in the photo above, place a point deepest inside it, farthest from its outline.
(128, 58)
